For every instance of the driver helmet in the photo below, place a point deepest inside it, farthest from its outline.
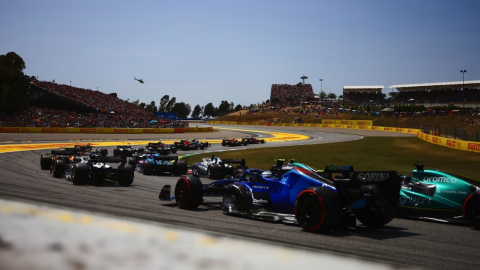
(267, 174)
(104, 152)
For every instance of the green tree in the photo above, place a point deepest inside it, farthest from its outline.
(136, 102)
(393, 94)
(14, 85)
(182, 109)
(196, 111)
(113, 95)
(331, 96)
(340, 97)
(238, 108)
(322, 95)
(163, 103)
(224, 107)
(209, 110)
(170, 104)
(142, 105)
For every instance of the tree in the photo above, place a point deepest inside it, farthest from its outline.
(182, 109)
(340, 97)
(331, 96)
(163, 103)
(142, 105)
(224, 107)
(209, 110)
(170, 104)
(113, 95)
(14, 85)
(322, 95)
(154, 109)
(196, 111)
(238, 108)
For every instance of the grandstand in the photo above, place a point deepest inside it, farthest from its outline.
(442, 92)
(291, 94)
(355, 95)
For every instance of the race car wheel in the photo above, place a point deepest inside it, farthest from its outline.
(126, 176)
(80, 174)
(262, 141)
(188, 192)
(148, 167)
(202, 147)
(377, 219)
(174, 150)
(45, 162)
(59, 168)
(471, 209)
(116, 152)
(318, 209)
(214, 172)
(180, 168)
(223, 144)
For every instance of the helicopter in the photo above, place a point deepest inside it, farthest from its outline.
(139, 80)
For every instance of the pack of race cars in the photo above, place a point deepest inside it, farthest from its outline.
(292, 193)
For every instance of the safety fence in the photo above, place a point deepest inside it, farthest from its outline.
(431, 138)
(452, 132)
(103, 130)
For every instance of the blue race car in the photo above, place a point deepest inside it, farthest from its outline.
(299, 194)
(157, 164)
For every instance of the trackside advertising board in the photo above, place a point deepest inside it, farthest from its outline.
(102, 130)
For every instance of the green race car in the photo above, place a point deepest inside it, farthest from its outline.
(440, 196)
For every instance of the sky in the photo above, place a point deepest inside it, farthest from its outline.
(202, 51)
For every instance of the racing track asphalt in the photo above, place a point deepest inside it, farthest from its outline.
(403, 243)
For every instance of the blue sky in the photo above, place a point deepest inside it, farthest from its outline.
(209, 51)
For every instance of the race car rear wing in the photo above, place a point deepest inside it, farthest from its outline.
(63, 152)
(166, 157)
(338, 169)
(110, 159)
(369, 177)
(234, 161)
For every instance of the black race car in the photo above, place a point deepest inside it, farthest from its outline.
(252, 140)
(161, 148)
(191, 145)
(216, 168)
(126, 150)
(233, 142)
(98, 168)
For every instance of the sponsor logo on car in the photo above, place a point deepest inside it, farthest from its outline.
(440, 179)
(260, 201)
(415, 200)
(453, 192)
(367, 177)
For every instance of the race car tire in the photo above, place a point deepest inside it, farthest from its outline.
(80, 174)
(116, 152)
(174, 150)
(188, 192)
(45, 162)
(242, 199)
(262, 141)
(126, 176)
(377, 219)
(214, 172)
(180, 168)
(128, 153)
(202, 147)
(318, 209)
(471, 209)
(148, 167)
(59, 168)
(223, 144)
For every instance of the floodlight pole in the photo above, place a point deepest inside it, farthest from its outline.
(463, 86)
(321, 85)
(303, 79)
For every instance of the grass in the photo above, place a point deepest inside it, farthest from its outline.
(371, 153)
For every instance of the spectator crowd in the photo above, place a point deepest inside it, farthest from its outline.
(288, 94)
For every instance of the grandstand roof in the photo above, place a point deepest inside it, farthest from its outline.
(372, 88)
(439, 85)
